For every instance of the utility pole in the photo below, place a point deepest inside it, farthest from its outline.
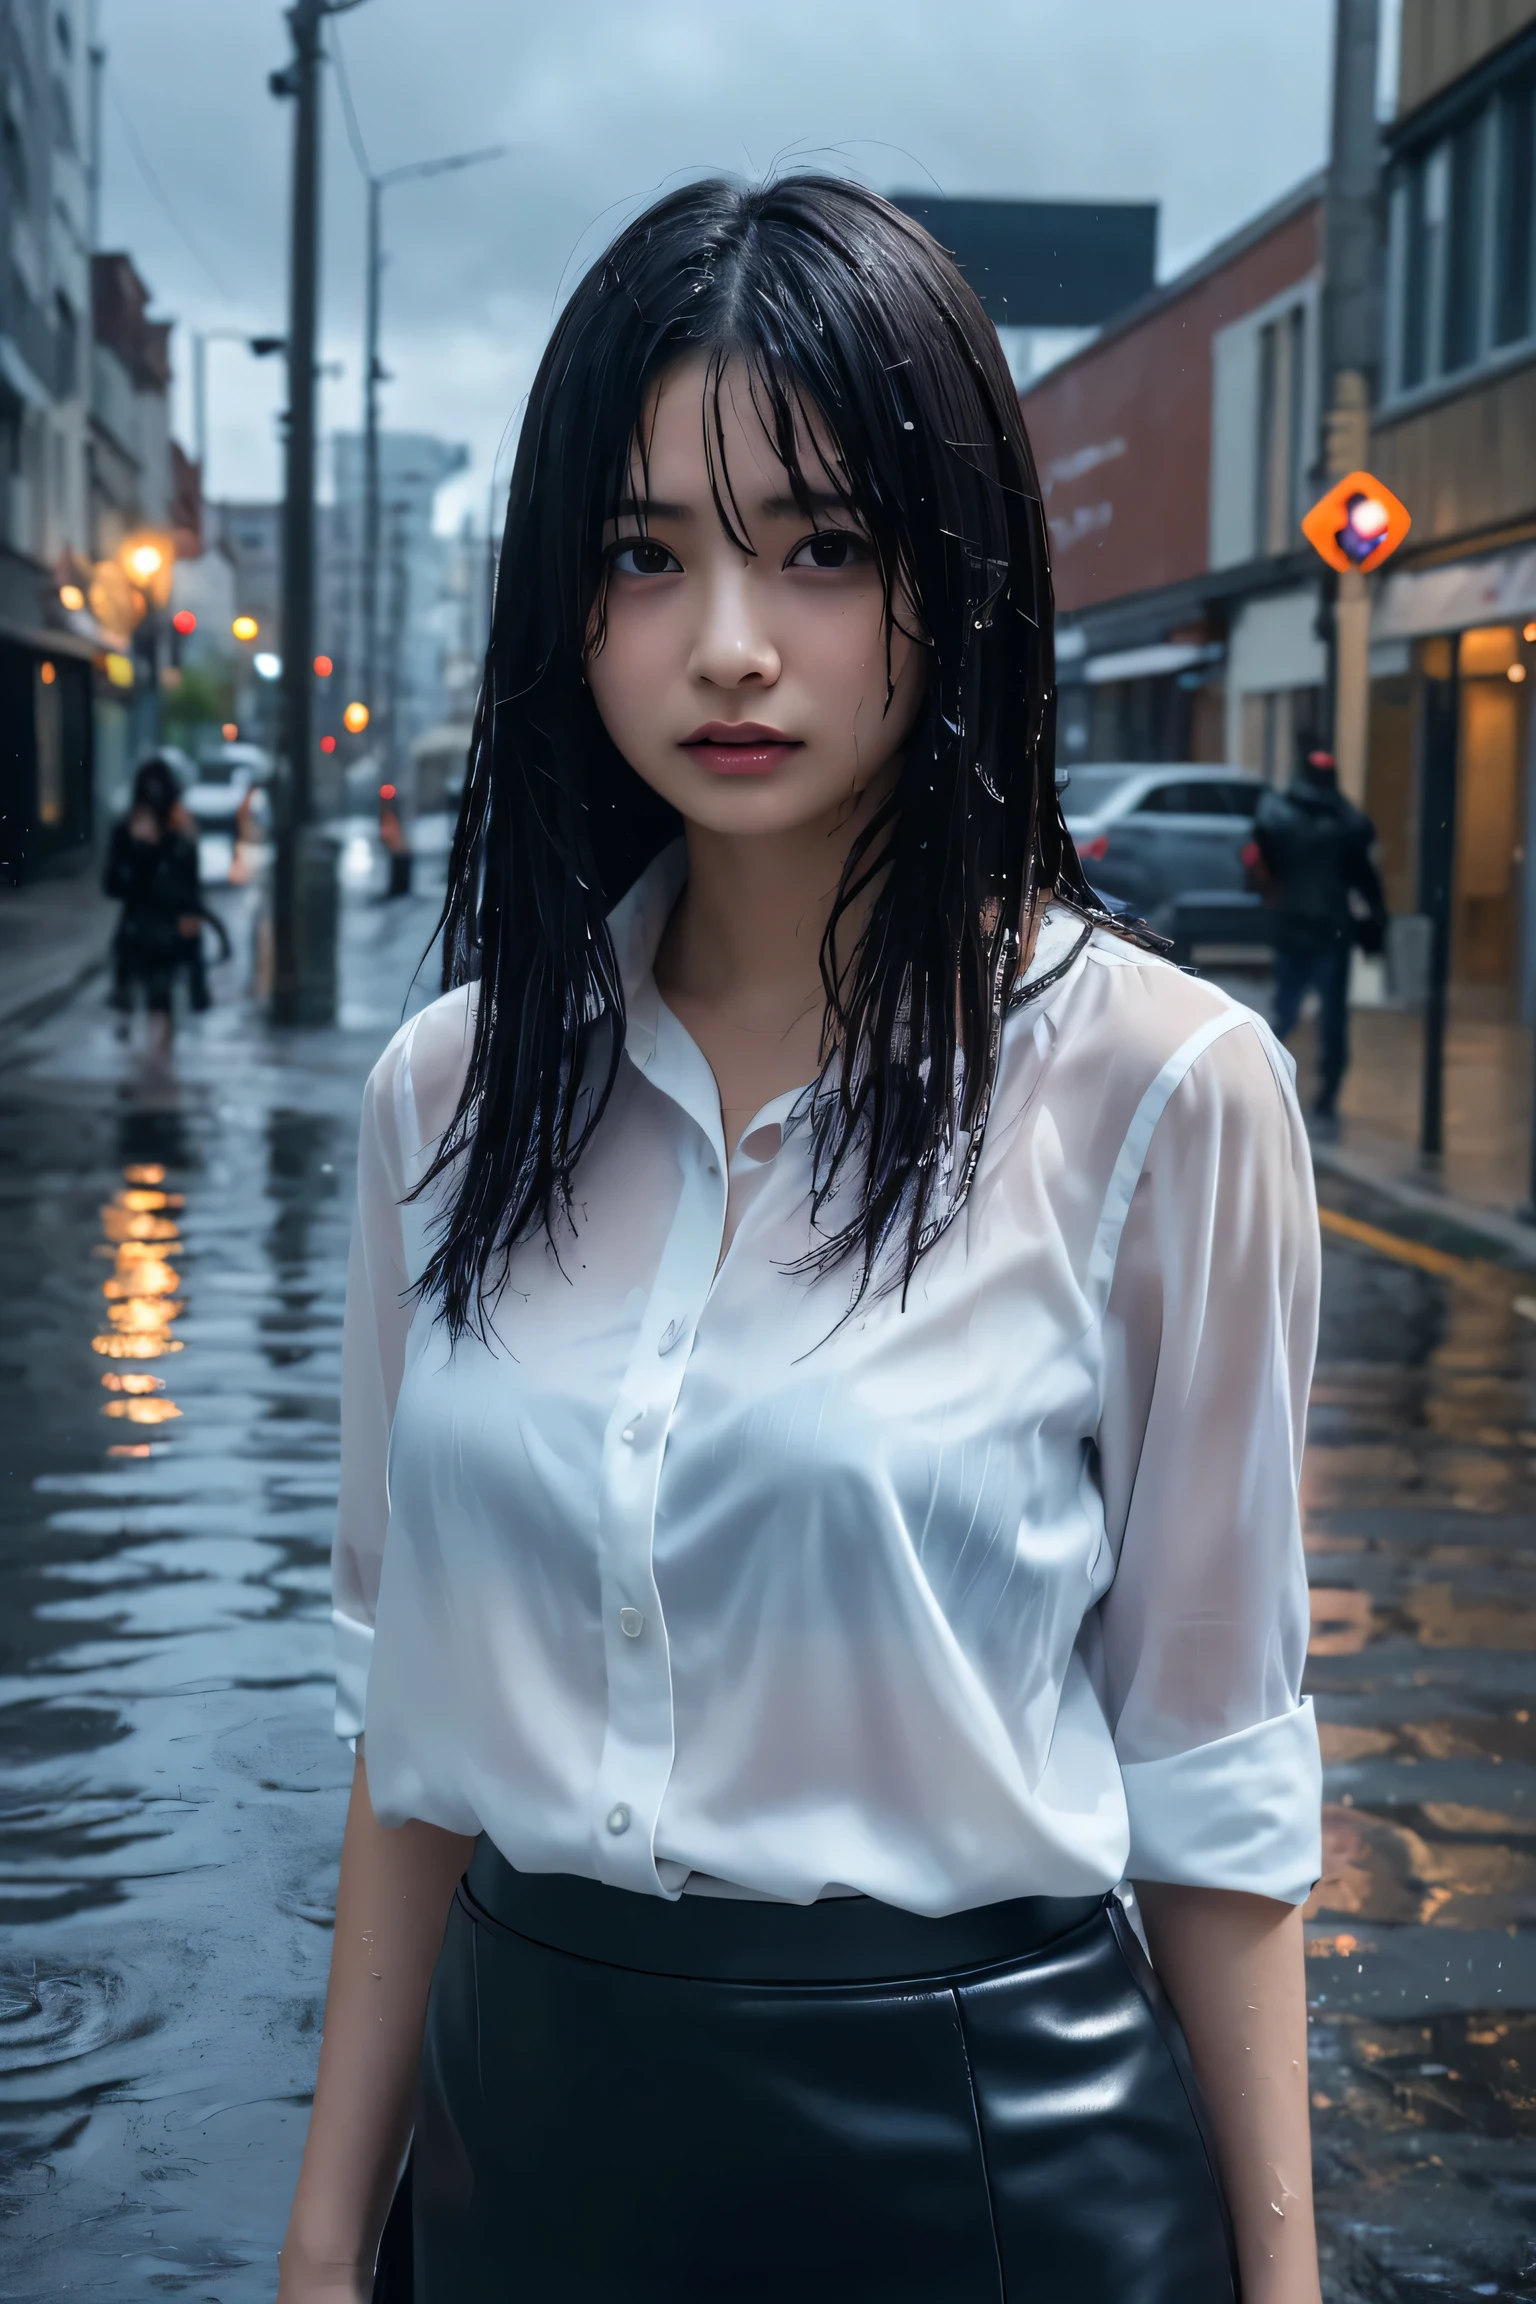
(304, 901)
(372, 378)
(374, 374)
(1351, 325)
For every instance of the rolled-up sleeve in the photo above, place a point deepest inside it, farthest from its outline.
(378, 1315)
(1210, 1333)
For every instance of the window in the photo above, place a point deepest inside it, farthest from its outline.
(63, 118)
(68, 348)
(1463, 242)
(1282, 383)
(1084, 791)
(1462, 271)
(15, 160)
(1515, 196)
(1173, 800)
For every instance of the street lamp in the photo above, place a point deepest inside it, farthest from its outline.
(374, 374)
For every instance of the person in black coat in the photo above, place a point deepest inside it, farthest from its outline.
(152, 870)
(1312, 855)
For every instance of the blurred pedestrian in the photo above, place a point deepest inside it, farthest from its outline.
(1311, 859)
(152, 870)
(398, 850)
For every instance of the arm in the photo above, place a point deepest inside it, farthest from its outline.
(396, 1887)
(1210, 1335)
(396, 1884)
(1232, 1966)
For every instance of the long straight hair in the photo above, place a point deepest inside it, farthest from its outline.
(835, 305)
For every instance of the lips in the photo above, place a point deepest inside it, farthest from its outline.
(740, 747)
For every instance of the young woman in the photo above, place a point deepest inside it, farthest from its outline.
(828, 1340)
(152, 869)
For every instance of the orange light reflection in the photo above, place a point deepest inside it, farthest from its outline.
(141, 1298)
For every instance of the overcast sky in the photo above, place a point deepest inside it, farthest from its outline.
(1211, 107)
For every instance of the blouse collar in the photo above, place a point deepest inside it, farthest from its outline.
(658, 1045)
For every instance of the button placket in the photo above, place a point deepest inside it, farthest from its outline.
(636, 1761)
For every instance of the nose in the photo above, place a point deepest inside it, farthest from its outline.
(732, 648)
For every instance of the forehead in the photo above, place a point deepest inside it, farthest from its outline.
(703, 414)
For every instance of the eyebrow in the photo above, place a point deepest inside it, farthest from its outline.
(771, 508)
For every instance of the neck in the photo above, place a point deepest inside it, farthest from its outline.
(752, 917)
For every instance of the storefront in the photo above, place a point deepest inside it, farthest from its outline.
(47, 798)
(1467, 629)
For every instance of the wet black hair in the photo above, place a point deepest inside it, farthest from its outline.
(156, 787)
(835, 302)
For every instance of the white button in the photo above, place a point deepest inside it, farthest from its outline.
(628, 1434)
(618, 1819)
(631, 1623)
(671, 1336)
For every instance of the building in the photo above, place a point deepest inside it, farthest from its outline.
(1454, 616)
(46, 796)
(137, 482)
(424, 590)
(1174, 454)
(417, 628)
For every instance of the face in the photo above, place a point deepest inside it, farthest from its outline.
(748, 688)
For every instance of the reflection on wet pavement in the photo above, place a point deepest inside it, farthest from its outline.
(1420, 1510)
(173, 1796)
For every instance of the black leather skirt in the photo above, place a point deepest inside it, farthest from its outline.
(626, 2099)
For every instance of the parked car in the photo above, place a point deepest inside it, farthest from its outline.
(1166, 842)
(228, 799)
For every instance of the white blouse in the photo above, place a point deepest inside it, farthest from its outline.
(683, 1578)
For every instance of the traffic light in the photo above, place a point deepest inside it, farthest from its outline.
(1358, 524)
(184, 622)
(245, 628)
(355, 718)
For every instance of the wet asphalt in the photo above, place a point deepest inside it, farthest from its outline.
(172, 1254)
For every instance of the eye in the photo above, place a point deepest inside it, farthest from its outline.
(643, 556)
(831, 548)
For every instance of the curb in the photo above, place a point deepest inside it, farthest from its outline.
(1512, 1241)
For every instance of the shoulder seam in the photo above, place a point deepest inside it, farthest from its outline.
(1132, 1156)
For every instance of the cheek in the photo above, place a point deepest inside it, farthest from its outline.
(841, 651)
(628, 673)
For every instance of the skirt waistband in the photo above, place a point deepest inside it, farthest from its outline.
(841, 1940)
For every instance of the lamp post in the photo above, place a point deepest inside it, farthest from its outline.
(374, 375)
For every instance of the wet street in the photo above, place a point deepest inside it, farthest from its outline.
(172, 1254)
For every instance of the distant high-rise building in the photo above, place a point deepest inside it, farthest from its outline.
(416, 628)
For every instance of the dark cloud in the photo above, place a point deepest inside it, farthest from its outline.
(1210, 106)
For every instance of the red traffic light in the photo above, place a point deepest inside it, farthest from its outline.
(327, 743)
(386, 791)
(1358, 524)
(183, 622)
(323, 667)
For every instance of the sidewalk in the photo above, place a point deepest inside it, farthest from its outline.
(1484, 1176)
(54, 935)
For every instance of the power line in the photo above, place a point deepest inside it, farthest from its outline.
(156, 189)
